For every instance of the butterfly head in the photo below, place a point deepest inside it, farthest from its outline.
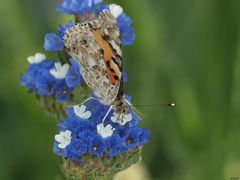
(120, 106)
(109, 25)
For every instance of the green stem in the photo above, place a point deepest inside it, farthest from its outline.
(64, 56)
(105, 168)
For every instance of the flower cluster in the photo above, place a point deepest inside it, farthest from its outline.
(83, 132)
(48, 77)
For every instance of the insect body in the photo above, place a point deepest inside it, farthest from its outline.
(96, 47)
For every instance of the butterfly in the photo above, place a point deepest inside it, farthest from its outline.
(96, 46)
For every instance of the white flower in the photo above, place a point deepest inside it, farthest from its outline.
(63, 138)
(37, 58)
(81, 112)
(121, 119)
(116, 10)
(59, 71)
(105, 131)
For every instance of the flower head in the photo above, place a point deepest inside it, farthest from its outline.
(95, 137)
(77, 6)
(47, 78)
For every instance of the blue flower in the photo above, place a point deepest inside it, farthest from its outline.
(62, 92)
(76, 125)
(62, 28)
(76, 149)
(28, 78)
(44, 83)
(84, 121)
(77, 6)
(126, 30)
(73, 77)
(59, 151)
(33, 73)
(86, 136)
(116, 145)
(97, 146)
(53, 42)
(47, 78)
(127, 33)
(135, 137)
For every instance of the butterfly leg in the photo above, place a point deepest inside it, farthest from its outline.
(90, 98)
(107, 114)
(133, 109)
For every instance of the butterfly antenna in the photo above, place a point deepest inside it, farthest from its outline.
(153, 105)
(134, 109)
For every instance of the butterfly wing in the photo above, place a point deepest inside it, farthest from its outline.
(107, 35)
(98, 52)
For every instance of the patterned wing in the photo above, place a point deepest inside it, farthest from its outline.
(107, 35)
(93, 49)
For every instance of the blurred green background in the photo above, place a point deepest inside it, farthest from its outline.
(186, 51)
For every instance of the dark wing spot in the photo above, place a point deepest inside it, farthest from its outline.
(116, 77)
(106, 37)
(112, 70)
(115, 61)
(108, 63)
(102, 51)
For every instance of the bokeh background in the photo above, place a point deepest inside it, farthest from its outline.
(186, 51)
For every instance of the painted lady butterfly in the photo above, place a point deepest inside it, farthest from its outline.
(96, 46)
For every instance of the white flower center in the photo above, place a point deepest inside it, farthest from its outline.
(121, 119)
(115, 9)
(81, 112)
(105, 131)
(59, 71)
(63, 138)
(37, 58)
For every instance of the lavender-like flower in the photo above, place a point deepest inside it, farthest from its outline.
(102, 142)
(47, 77)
